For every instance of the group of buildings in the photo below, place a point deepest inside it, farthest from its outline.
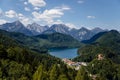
(75, 65)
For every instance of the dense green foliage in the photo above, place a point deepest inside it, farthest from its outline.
(105, 69)
(82, 74)
(89, 52)
(18, 63)
(59, 40)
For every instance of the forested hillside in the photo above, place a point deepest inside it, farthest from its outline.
(42, 42)
(20, 63)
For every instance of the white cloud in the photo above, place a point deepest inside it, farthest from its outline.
(51, 14)
(48, 15)
(36, 8)
(24, 19)
(11, 14)
(70, 25)
(57, 22)
(25, 3)
(63, 7)
(91, 17)
(20, 16)
(80, 1)
(37, 3)
(27, 9)
(2, 21)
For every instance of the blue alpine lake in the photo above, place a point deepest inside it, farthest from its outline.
(64, 53)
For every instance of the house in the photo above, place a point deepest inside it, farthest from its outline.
(100, 56)
(69, 62)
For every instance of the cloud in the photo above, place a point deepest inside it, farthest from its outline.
(14, 15)
(20, 16)
(63, 7)
(37, 3)
(27, 9)
(11, 14)
(2, 21)
(48, 15)
(51, 14)
(24, 19)
(36, 8)
(80, 1)
(25, 3)
(91, 17)
(1, 12)
(57, 22)
(70, 25)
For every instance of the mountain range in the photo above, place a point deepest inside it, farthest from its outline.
(35, 29)
(16, 26)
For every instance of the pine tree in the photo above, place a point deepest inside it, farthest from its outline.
(38, 75)
(62, 77)
(82, 74)
(53, 72)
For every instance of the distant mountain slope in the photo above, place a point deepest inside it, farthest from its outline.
(97, 30)
(82, 34)
(111, 36)
(36, 29)
(104, 38)
(61, 28)
(60, 39)
(7, 40)
(94, 38)
(107, 43)
(16, 26)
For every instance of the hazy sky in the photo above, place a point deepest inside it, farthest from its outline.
(74, 13)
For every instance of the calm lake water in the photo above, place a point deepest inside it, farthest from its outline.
(64, 53)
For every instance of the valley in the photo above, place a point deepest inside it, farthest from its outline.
(50, 52)
(59, 40)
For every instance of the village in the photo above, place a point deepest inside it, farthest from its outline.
(77, 65)
(74, 65)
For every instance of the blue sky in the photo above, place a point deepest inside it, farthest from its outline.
(74, 13)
